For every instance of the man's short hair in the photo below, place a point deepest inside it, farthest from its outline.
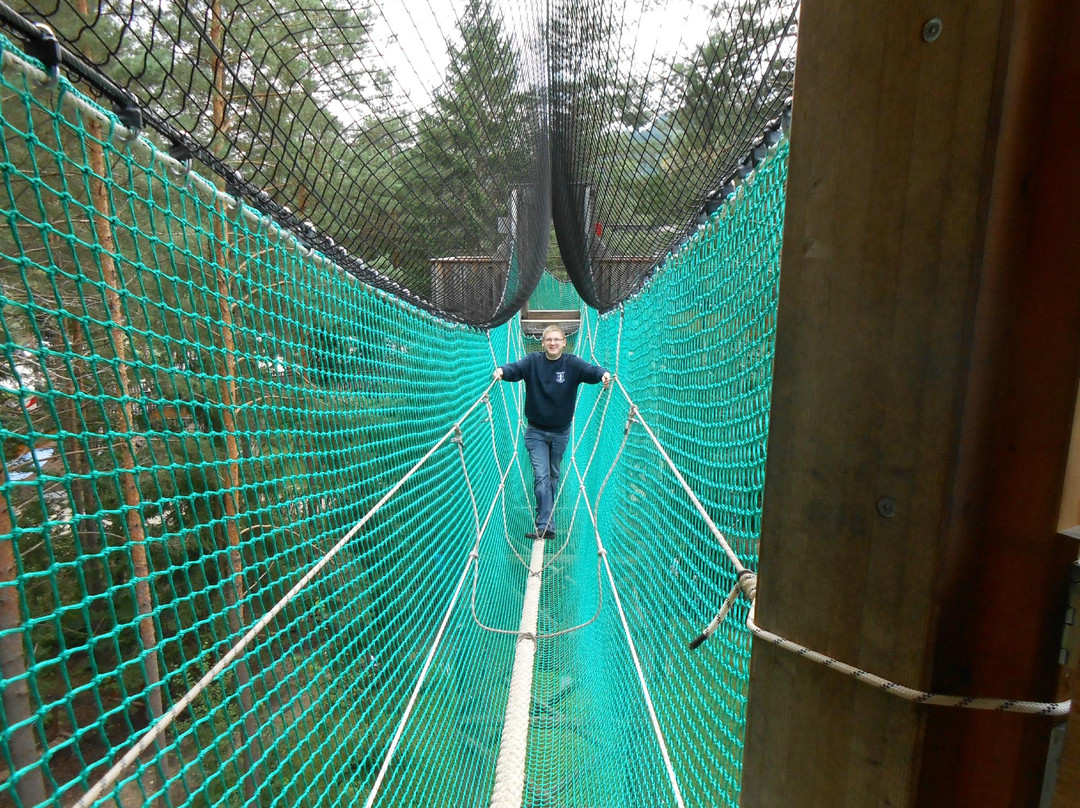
(553, 327)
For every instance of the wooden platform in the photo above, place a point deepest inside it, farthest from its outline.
(534, 322)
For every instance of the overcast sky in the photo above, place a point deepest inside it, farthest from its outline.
(412, 36)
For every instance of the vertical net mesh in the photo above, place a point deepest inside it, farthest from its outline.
(694, 350)
(552, 294)
(194, 409)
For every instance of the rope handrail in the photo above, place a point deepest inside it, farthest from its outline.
(654, 720)
(385, 767)
(735, 561)
(573, 455)
(746, 583)
(158, 728)
(545, 566)
(599, 545)
(902, 691)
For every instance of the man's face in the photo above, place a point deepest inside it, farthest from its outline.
(554, 342)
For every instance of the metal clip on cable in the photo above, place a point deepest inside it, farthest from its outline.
(45, 47)
(232, 204)
(130, 118)
(181, 154)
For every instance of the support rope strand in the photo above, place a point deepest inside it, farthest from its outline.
(747, 584)
(154, 732)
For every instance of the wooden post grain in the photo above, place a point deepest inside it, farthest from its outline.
(925, 376)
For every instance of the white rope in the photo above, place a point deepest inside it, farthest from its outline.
(573, 456)
(907, 693)
(747, 583)
(416, 689)
(158, 728)
(512, 423)
(599, 579)
(500, 491)
(672, 778)
(735, 562)
(510, 766)
(481, 529)
(474, 559)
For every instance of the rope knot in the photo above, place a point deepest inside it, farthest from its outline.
(458, 439)
(747, 582)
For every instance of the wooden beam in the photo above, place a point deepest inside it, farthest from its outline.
(927, 352)
(1069, 517)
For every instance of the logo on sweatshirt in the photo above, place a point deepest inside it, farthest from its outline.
(560, 376)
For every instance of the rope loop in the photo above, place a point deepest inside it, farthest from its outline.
(747, 581)
(181, 174)
(130, 119)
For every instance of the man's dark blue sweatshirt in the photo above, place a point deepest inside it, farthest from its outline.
(551, 387)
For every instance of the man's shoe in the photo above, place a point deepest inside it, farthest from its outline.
(540, 534)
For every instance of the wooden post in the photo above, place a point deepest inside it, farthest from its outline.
(925, 377)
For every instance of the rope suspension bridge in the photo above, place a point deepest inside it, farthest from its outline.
(261, 520)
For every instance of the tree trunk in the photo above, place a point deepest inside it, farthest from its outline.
(235, 594)
(86, 527)
(125, 458)
(30, 787)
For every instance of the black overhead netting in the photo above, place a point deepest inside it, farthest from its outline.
(428, 146)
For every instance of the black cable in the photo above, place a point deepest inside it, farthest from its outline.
(563, 100)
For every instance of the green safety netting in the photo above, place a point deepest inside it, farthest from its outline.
(195, 409)
(551, 294)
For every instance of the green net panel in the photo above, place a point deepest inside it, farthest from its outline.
(551, 294)
(695, 352)
(194, 410)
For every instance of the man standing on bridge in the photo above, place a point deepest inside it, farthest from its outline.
(551, 382)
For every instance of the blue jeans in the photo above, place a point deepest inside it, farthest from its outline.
(545, 451)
